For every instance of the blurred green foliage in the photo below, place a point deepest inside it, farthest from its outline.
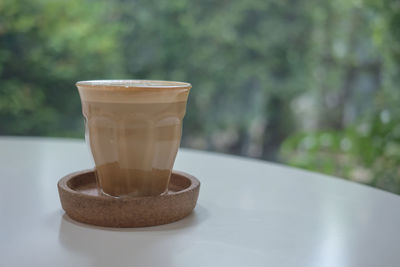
(368, 152)
(367, 148)
(309, 83)
(44, 47)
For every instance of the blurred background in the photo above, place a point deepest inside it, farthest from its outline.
(308, 83)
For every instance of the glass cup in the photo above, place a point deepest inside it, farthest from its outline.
(133, 128)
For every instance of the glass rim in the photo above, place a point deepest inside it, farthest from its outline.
(131, 84)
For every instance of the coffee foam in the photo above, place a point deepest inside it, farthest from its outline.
(133, 91)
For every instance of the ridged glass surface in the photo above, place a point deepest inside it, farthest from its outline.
(134, 145)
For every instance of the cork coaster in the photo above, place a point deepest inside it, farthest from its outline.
(82, 202)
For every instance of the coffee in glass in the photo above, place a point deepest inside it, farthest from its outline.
(133, 128)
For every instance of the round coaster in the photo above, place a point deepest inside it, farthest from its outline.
(82, 202)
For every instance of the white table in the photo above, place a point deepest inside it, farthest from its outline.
(249, 213)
